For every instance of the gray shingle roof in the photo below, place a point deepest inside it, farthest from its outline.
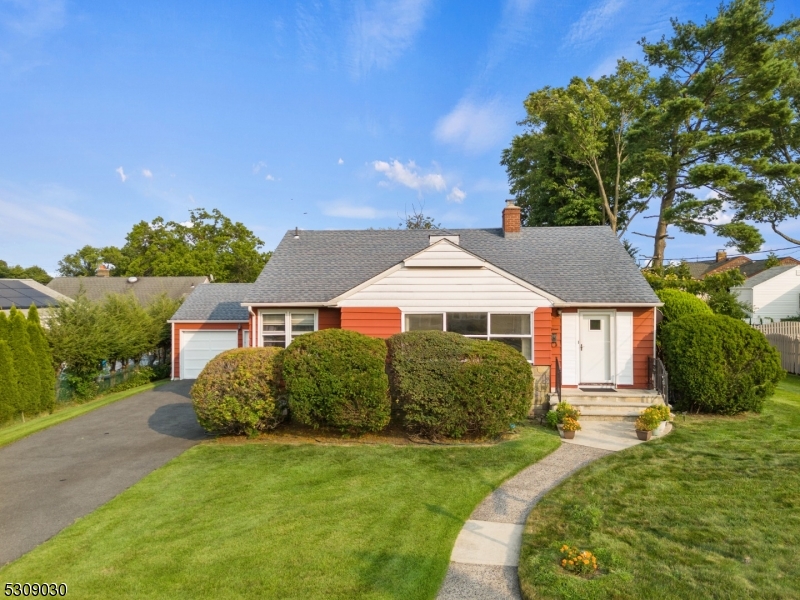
(766, 275)
(144, 288)
(215, 302)
(575, 264)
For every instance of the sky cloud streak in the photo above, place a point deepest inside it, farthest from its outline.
(410, 176)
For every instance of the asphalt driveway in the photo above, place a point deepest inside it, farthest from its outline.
(55, 476)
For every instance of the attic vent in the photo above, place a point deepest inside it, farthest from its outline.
(455, 239)
(133, 279)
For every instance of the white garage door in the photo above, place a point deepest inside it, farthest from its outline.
(199, 347)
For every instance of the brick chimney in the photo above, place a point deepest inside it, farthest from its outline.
(512, 225)
(103, 271)
(721, 255)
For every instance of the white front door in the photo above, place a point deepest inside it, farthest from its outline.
(595, 348)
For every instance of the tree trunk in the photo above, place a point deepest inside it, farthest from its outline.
(660, 242)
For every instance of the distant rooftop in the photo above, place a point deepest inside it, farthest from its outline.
(21, 293)
(144, 288)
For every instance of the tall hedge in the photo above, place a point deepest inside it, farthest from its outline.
(678, 303)
(718, 364)
(28, 378)
(238, 392)
(337, 378)
(44, 361)
(9, 389)
(446, 385)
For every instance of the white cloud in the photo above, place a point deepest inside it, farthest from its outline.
(513, 31)
(410, 176)
(593, 22)
(474, 127)
(269, 177)
(258, 166)
(121, 174)
(350, 211)
(456, 195)
(341, 161)
(147, 173)
(33, 18)
(382, 31)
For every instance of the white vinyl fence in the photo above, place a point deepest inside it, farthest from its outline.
(785, 336)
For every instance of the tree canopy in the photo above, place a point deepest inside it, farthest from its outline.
(708, 124)
(208, 244)
(18, 272)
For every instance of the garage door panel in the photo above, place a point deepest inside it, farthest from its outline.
(199, 347)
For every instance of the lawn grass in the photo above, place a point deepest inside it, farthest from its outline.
(12, 432)
(710, 511)
(267, 520)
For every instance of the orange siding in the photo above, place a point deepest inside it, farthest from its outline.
(541, 336)
(643, 336)
(330, 318)
(375, 322)
(176, 339)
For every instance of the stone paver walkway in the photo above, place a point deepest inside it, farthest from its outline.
(486, 553)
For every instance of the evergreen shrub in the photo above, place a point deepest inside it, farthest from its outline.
(678, 303)
(718, 364)
(44, 361)
(447, 385)
(337, 378)
(9, 389)
(238, 392)
(28, 377)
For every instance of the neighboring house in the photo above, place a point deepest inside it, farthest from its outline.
(748, 267)
(774, 293)
(570, 296)
(21, 293)
(144, 288)
(210, 320)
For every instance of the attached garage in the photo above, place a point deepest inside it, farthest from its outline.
(210, 321)
(199, 347)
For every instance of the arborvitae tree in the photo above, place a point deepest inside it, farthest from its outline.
(44, 361)
(9, 390)
(3, 326)
(28, 377)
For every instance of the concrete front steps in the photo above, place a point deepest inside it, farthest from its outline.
(608, 405)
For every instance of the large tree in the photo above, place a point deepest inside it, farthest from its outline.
(711, 75)
(573, 165)
(19, 272)
(208, 244)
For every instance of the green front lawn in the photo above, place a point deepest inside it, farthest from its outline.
(710, 511)
(11, 432)
(283, 521)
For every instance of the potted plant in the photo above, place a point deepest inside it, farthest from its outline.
(645, 424)
(661, 412)
(569, 427)
(563, 411)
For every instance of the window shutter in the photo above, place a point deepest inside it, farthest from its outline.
(625, 348)
(569, 348)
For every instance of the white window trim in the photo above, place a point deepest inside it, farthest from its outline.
(488, 335)
(259, 339)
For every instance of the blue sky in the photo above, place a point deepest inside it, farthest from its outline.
(321, 115)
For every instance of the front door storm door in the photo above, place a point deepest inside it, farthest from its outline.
(595, 348)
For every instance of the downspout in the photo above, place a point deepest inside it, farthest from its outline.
(172, 354)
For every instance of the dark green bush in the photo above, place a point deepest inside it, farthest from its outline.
(337, 378)
(446, 385)
(718, 364)
(238, 392)
(678, 303)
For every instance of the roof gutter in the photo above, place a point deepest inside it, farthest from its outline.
(607, 304)
(208, 321)
(284, 304)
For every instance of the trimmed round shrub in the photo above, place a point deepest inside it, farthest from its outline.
(447, 385)
(238, 392)
(678, 303)
(337, 378)
(718, 364)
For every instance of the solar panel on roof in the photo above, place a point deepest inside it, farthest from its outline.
(15, 285)
(20, 294)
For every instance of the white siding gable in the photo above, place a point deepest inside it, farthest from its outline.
(776, 298)
(444, 254)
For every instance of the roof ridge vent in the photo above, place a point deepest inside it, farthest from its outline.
(438, 237)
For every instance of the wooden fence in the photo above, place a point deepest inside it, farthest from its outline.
(788, 328)
(789, 347)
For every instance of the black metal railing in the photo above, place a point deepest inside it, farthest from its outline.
(558, 380)
(659, 378)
